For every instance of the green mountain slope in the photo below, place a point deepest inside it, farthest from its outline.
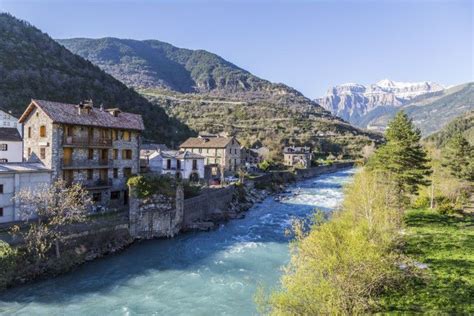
(463, 124)
(430, 112)
(213, 95)
(32, 65)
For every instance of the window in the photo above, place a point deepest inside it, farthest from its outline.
(1, 211)
(178, 164)
(29, 152)
(126, 136)
(116, 154)
(115, 195)
(42, 131)
(42, 153)
(3, 160)
(127, 172)
(168, 163)
(127, 154)
(114, 134)
(195, 164)
(1, 188)
(29, 132)
(90, 154)
(90, 174)
(200, 150)
(115, 173)
(3, 147)
(97, 197)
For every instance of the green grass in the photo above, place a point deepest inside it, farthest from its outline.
(446, 244)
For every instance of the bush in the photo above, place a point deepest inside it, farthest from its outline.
(8, 257)
(342, 264)
(145, 186)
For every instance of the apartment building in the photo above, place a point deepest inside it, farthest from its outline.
(98, 148)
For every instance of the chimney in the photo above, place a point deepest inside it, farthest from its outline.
(114, 112)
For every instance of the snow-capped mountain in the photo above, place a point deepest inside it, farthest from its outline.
(352, 101)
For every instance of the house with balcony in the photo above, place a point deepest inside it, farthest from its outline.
(222, 153)
(95, 147)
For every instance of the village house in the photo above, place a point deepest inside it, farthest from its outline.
(7, 120)
(11, 145)
(297, 157)
(95, 147)
(15, 177)
(148, 153)
(221, 153)
(183, 165)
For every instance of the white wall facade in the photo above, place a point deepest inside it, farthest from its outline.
(13, 152)
(12, 183)
(7, 120)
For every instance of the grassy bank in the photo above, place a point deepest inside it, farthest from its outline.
(445, 243)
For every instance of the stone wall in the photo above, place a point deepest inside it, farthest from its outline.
(210, 205)
(156, 216)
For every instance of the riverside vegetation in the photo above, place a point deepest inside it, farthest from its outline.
(399, 242)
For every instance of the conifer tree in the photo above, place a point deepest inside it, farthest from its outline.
(403, 158)
(458, 156)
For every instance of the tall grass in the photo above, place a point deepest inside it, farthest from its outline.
(341, 265)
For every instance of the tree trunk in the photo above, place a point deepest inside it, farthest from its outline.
(432, 196)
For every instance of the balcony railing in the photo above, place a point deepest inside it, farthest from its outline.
(87, 141)
(86, 163)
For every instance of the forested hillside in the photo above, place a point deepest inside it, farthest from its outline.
(463, 124)
(32, 65)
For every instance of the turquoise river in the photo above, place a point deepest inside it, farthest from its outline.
(208, 273)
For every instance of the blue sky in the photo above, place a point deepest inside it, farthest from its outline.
(309, 45)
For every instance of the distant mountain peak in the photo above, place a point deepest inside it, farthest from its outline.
(351, 101)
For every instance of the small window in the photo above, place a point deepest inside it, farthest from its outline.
(1, 188)
(126, 136)
(195, 164)
(127, 172)
(3, 160)
(29, 132)
(115, 195)
(116, 154)
(127, 154)
(42, 131)
(1, 211)
(42, 153)
(3, 147)
(168, 163)
(200, 150)
(115, 171)
(114, 134)
(90, 154)
(90, 174)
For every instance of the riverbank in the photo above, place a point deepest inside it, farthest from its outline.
(203, 273)
(100, 238)
(444, 246)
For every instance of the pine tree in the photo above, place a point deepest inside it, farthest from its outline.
(403, 158)
(458, 156)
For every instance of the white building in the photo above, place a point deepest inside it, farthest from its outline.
(13, 178)
(8, 120)
(180, 164)
(11, 145)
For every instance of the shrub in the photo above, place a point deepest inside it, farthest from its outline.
(340, 265)
(145, 186)
(8, 257)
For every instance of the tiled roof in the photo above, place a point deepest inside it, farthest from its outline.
(180, 154)
(10, 167)
(69, 114)
(10, 134)
(206, 142)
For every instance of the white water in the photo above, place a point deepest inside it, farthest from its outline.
(210, 273)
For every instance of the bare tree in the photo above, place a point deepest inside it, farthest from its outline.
(47, 209)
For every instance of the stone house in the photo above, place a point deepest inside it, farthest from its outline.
(182, 164)
(297, 156)
(96, 147)
(13, 178)
(221, 152)
(11, 145)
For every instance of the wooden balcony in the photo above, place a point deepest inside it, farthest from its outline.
(86, 163)
(79, 141)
